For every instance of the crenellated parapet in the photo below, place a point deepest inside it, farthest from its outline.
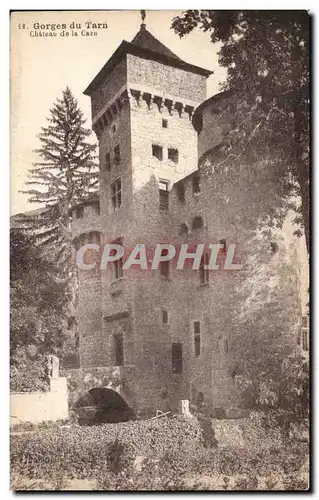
(141, 97)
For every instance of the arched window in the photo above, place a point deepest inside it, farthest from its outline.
(183, 229)
(94, 237)
(181, 192)
(200, 399)
(197, 222)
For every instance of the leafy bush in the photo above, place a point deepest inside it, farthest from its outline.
(27, 374)
(37, 320)
(286, 390)
(83, 451)
(171, 452)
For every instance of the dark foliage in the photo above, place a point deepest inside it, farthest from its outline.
(266, 54)
(37, 312)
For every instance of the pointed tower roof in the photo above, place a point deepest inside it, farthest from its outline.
(146, 40)
(145, 45)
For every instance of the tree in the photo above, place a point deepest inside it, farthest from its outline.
(66, 174)
(37, 323)
(266, 54)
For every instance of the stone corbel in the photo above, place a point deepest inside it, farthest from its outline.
(137, 96)
(169, 104)
(109, 115)
(190, 111)
(119, 104)
(97, 129)
(159, 102)
(126, 97)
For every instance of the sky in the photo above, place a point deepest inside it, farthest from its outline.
(41, 67)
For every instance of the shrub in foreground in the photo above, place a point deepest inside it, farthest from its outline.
(84, 451)
(151, 455)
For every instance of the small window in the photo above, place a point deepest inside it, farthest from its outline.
(163, 185)
(164, 316)
(118, 269)
(163, 195)
(274, 247)
(305, 333)
(157, 152)
(183, 229)
(196, 184)
(304, 322)
(177, 357)
(204, 273)
(173, 155)
(197, 222)
(164, 269)
(108, 161)
(117, 264)
(197, 346)
(223, 242)
(226, 346)
(117, 154)
(79, 212)
(164, 266)
(181, 192)
(305, 344)
(119, 350)
(116, 194)
(113, 129)
(164, 123)
(200, 399)
(96, 207)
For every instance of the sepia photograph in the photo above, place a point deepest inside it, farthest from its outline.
(159, 250)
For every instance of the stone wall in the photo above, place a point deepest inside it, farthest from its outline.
(38, 407)
(236, 198)
(112, 83)
(159, 387)
(166, 79)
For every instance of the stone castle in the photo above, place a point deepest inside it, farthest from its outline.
(161, 336)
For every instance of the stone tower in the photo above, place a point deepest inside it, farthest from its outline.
(142, 103)
(159, 336)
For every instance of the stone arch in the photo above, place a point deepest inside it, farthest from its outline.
(103, 405)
